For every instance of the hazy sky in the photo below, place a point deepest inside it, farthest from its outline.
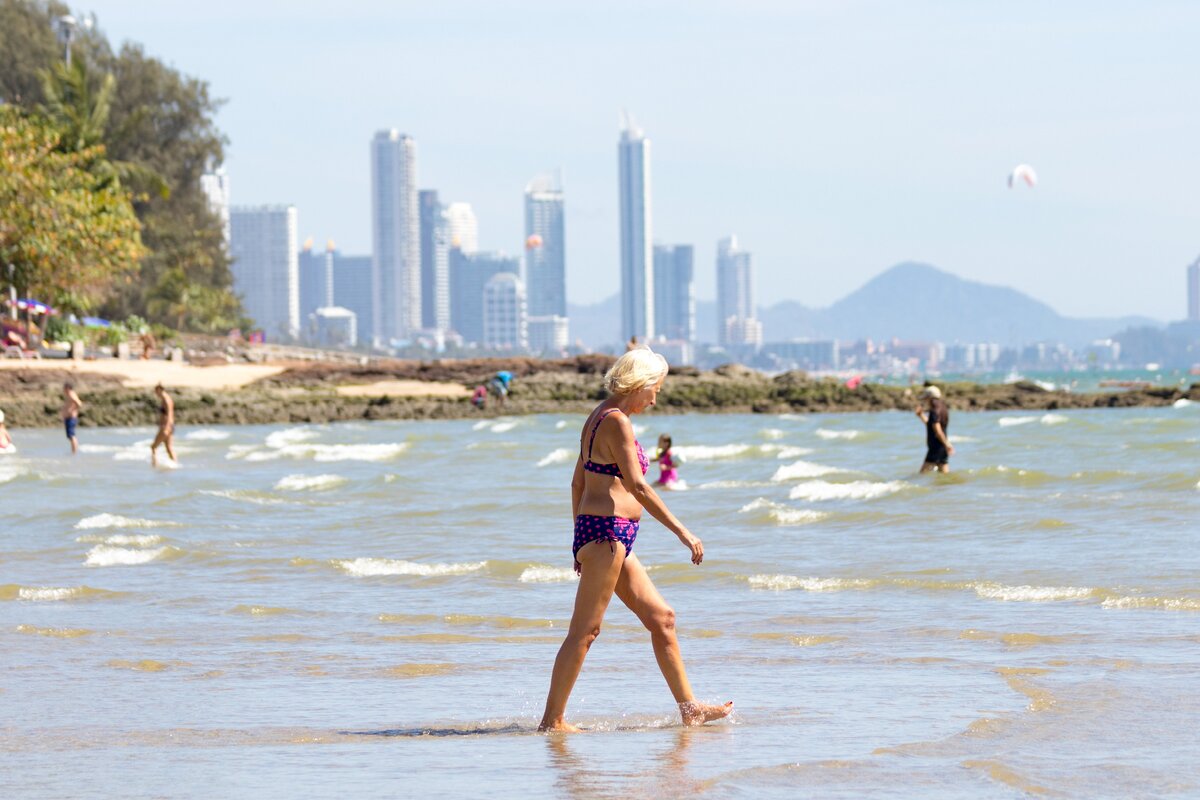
(835, 138)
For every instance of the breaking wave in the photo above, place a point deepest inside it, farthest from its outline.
(106, 520)
(372, 567)
(309, 483)
(855, 490)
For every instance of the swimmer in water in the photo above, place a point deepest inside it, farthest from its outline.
(166, 426)
(609, 492)
(668, 476)
(937, 441)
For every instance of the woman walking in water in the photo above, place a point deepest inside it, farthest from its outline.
(937, 441)
(166, 426)
(609, 491)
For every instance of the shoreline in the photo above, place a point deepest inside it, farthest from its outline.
(118, 393)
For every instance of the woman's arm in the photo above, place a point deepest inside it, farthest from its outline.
(576, 487)
(635, 483)
(941, 435)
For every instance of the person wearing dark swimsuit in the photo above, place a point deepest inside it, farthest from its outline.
(937, 442)
(166, 426)
(609, 492)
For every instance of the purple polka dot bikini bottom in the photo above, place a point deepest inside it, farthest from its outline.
(591, 528)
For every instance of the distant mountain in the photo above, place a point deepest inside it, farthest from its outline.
(910, 301)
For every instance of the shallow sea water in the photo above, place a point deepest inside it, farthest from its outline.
(374, 608)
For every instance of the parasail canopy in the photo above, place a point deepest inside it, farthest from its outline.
(1022, 172)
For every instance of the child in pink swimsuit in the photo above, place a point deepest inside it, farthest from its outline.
(666, 462)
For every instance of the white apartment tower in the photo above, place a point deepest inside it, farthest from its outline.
(505, 322)
(736, 322)
(266, 267)
(637, 260)
(396, 232)
(215, 186)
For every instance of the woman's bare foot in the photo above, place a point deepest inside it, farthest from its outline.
(558, 727)
(699, 713)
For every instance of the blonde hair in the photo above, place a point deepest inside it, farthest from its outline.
(637, 369)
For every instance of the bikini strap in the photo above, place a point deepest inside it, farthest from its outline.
(595, 428)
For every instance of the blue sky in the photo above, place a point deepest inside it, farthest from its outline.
(835, 138)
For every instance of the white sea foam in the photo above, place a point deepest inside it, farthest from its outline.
(793, 452)
(560, 456)
(825, 433)
(98, 448)
(786, 582)
(772, 433)
(855, 490)
(1008, 422)
(103, 555)
(562, 423)
(331, 452)
(1182, 402)
(371, 567)
(501, 425)
(9, 450)
(207, 435)
(803, 469)
(243, 496)
(547, 575)
(309, 483)
(239, 451)
(504, 427)
(1164, 603)
(732, 484)
(960, 439)
(123, 539)
(1033, 594)
(107, 520)
(700, 452)
(138, 451)
(45, 593)
(9, 472)
(1054, 419)
(782, 514)
(290, 436)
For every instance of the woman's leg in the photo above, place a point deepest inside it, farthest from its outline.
(601, 563)
(169, 441)
(637, 591)
(158, 439)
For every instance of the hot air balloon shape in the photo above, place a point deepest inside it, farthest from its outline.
(533, 242)
(1022, 172)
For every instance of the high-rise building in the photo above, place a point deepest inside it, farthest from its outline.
(545, 247)
(549, 335)
(435, 262)
(462, 227)
(395, 228)
(1193, 291)
(352, 289)
(265, 267)
(637, 261)
(469, 274)
(504, 313)
(674, 292)
(736, 322)
(215, 185)
(316, 279)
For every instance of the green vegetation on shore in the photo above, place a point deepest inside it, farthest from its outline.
(307, 394)
(142, 134)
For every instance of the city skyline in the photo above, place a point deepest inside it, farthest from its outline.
(838, 128)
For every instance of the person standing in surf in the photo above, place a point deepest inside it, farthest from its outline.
(71, 407)
(609, 492)
(166, 426)
(937, 442)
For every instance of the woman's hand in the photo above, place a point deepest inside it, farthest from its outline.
(693, 544)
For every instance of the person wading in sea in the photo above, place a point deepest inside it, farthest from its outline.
(937, 441)
(71, 407)
(609, 492)
(166, 426)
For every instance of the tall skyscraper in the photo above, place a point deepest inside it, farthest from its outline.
(435, 262)
(736, 322)
(215, 185)
(1193, 291)
(504, 313)
(265, 267)
(316, 279)
(395, 228)
(462, 227)
(637, 261)
(674, 292)
(352, 289)
(545, 247)
(469, 274)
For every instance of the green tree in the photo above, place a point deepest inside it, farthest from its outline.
(159, 121)
(69, 235)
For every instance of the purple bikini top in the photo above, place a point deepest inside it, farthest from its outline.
(611, 469)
